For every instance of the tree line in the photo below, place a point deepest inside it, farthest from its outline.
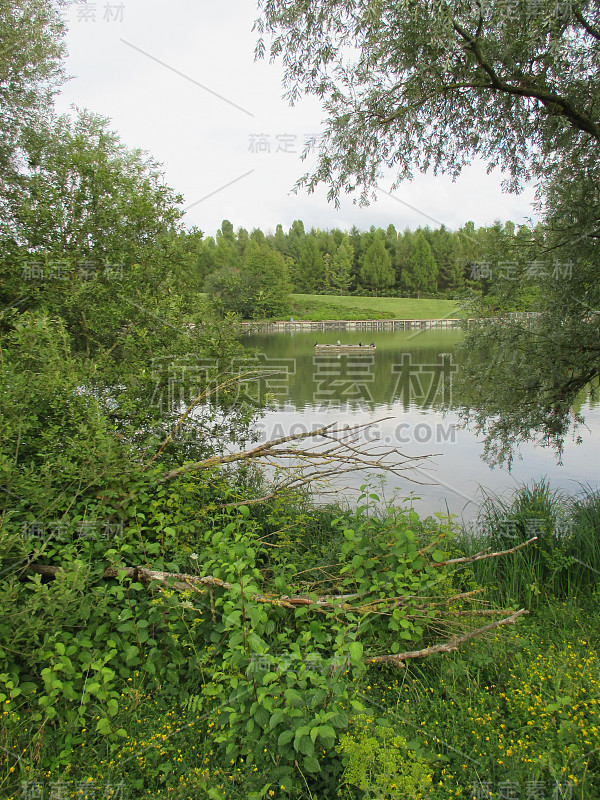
(253, 273)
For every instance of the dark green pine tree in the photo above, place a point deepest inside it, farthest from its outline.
(377, 272)
(421, 270)
(342, 266)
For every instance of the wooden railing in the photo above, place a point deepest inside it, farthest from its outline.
(366, 324)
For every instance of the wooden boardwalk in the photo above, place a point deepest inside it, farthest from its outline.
(351, 325)
(287, 326)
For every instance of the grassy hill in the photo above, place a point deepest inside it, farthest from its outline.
(324, 307)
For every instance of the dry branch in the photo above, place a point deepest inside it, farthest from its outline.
(185, 582)
(337, 456)
(447, 647)
(180, 581)
(205, 395)
(483, 554)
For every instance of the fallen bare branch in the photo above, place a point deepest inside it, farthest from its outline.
(208, 392)
(318, 462)
(185, 582)
(483, 554)
(447, 647)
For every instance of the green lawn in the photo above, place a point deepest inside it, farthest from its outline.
(319, 307)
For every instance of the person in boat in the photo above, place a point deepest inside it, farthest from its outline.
(360, 344)
(339, 344)
(372, 344)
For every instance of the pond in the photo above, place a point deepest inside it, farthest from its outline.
(400, 387)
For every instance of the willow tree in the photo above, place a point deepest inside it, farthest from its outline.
(420, 85)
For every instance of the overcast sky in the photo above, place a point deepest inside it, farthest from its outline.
(179, 79)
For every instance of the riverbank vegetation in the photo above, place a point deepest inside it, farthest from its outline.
(130, 684)
(173, 624)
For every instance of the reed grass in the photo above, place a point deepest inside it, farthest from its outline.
(564, 561)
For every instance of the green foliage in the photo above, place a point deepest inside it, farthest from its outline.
(486, 260)
(283, 677)
(87, 196)
(381, 764)
(286, 678)
(31, 33)
(93, 239)
(527, 382)
(376, 270)
(563, 562)
(446, 250)
(260, 289)
(308, 273)
(419, 274)
(431, 85)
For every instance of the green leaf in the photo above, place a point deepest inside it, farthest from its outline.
(326, 732)
(355, 650)
(131, 654)
(103, 726)
(276, 718)
(293, 697)
(113, 707)
(285, 738)
(311, 764)
(304, 744)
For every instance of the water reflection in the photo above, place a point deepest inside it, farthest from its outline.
(407, 381)
(410, 368)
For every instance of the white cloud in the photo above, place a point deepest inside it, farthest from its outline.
(207, 141)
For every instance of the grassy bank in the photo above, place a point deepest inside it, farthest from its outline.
(512, 714)
(519, 708)
(318, 307)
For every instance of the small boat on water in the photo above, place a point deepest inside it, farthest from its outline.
(345, 348)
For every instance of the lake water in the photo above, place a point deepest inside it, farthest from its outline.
(405, 381)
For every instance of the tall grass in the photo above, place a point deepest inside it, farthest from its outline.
(564, 561)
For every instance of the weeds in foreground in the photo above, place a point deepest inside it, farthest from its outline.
(563, 562)
(514, 715)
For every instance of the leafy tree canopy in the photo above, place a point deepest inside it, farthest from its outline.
(259, 289)
(376, 270)
(427, 84)
(421, 270)
(31, 70)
